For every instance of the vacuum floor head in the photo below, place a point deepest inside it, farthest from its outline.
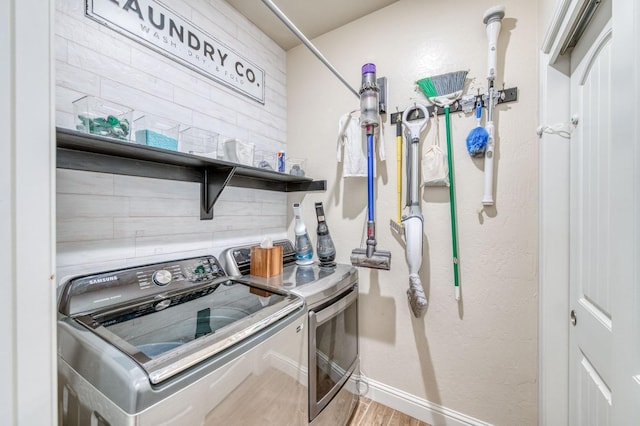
(380, 259)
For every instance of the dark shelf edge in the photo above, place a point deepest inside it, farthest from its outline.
(160, 163)
(79, 151)
(316, 185)
(104, 163)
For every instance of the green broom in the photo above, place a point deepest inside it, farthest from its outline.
(443, 90)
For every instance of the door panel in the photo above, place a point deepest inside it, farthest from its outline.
(595, 396)
(590, 363)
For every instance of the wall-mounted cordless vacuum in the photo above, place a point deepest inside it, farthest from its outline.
(369, 120)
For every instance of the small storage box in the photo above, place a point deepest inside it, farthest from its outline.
(265, 160)
(296, 166)
(237, 151)
(158, 132)
(199, 142)
(102, 118)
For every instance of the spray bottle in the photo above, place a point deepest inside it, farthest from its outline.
(302, 246)
(325, 248)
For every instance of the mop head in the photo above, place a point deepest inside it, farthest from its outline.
(443, 90)
(477, 141)
(416, 296)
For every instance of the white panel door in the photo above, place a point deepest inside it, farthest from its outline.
(591, 284)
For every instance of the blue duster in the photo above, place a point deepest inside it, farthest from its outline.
(478, 137)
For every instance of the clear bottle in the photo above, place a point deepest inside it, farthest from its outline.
(325, 248)
(302, 246)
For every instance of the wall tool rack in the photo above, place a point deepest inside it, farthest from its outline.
(502, 96)
(81, 151)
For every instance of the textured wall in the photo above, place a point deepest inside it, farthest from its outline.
(479, 357)
(106, 221)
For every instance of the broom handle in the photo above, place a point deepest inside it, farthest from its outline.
(452, 204)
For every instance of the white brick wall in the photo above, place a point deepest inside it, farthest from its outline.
(109, 221)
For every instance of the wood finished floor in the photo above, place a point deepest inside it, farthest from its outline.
(370, 413)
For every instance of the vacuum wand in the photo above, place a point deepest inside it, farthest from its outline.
(369, 119)
(493, 20)
(413, 222)
(371, 224)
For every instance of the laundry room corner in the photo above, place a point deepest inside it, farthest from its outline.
(477, 360)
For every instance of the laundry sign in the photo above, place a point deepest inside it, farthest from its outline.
(156, 26)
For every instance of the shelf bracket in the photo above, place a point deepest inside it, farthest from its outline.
(213, 182)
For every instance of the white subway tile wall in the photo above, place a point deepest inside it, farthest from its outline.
(109, 221)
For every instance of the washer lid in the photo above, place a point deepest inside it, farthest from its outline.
(166, 338)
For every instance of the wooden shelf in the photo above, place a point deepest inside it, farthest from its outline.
(82, 151)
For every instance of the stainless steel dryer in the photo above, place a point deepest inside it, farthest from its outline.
(331, 296)
(180, 343)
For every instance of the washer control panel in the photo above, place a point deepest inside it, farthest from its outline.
(92, 292)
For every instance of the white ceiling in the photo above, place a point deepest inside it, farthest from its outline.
(312, 17)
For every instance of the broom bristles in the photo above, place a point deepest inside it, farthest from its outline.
(444, 85)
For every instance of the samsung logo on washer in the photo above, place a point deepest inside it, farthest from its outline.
(158, 27)
(103, 279)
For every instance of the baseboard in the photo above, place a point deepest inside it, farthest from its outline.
(413, 406)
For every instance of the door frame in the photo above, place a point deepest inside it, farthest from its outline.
(28, 392)
(625, 96)
(553, 255)
(554, 216)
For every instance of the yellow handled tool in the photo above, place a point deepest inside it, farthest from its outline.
(396, 225)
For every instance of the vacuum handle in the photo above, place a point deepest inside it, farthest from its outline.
(487, 198)
(370, 175)
(493, 19)
(414, 173)
(493, 29)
